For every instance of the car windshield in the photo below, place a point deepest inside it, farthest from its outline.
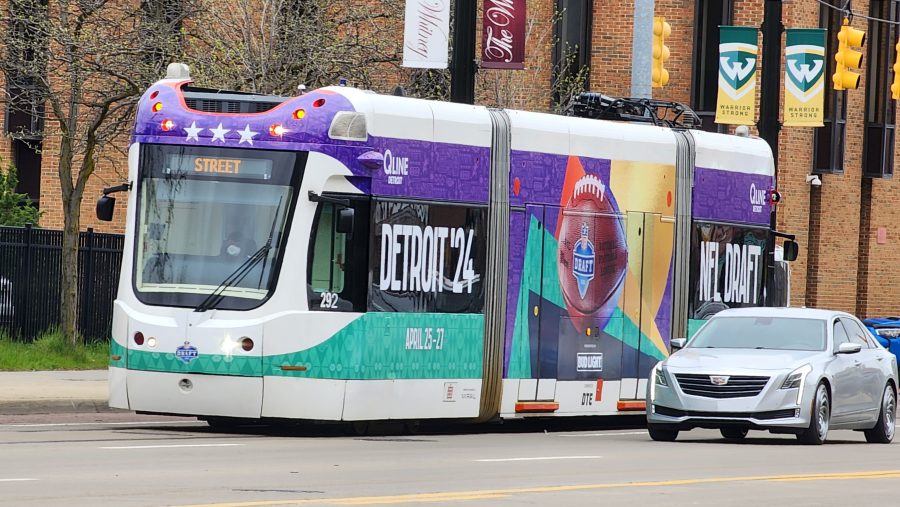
(775, 333)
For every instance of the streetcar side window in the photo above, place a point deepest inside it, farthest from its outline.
(329, 253)
(336, 271)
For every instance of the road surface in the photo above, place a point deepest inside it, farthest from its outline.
(122, 459)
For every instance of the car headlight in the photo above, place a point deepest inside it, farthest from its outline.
(659, 378)
(893, 332)
(795, 379)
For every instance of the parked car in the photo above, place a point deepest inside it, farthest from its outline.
(7, 306)
(887, 331)
(785, 370)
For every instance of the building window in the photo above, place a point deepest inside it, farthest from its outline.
(878, 140)
(828, 141)
(27, 160)
(161, 30)
(25, 69)
(710, 14)
(572, 51)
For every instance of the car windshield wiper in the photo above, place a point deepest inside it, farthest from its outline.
(238, 274)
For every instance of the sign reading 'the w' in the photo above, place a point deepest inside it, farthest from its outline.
(804, 77)
(736, 103)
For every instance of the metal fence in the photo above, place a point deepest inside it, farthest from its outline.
(30, 281)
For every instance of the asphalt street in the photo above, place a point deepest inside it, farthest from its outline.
(123, 459)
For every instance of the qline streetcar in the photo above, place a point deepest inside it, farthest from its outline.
(344, 255)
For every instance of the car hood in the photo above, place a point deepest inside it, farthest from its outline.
(738, 359)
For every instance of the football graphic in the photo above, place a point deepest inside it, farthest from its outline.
(593, 254)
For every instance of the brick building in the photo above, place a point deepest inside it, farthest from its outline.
(848, 228)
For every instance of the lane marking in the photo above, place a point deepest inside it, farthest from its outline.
(603, 434)
(172, 446)
(16, 480)
(142, 423)
(499, 493)
(537, 458)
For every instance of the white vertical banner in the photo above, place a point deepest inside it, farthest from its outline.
(425, 36)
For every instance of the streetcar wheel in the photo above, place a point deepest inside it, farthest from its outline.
(222, 423)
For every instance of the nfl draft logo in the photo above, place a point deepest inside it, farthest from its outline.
(583, 261)
(186, 352)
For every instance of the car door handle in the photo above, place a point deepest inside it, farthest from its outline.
(880, 358)
(856, 363)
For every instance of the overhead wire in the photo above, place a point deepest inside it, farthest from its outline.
(850, 14)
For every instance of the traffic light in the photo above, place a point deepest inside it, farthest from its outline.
(661, 31)
(847, 58)
(895, 86)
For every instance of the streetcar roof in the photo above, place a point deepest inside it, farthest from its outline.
(446, 122)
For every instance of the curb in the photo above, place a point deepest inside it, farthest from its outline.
(56, 406)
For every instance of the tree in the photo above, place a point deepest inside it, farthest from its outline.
(14, 207)
(273, 46)
(84, 62)
(566, 77)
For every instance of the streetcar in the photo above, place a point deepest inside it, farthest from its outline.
(345, 255)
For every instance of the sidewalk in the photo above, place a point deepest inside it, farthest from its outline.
(47, 392)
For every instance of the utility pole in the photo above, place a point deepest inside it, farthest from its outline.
(462, 64)
(768, 125)
(642, 49)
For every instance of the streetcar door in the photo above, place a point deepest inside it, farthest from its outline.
(551, 311)
(650, 238)
(543, 317)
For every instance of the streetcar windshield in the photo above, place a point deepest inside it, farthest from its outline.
(203, 212)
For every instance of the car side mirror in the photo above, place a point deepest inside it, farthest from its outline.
(105, 207)
(678, 343)
(791, 250)
(849, 348)
(345, 221)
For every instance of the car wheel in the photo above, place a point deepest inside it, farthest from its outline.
(662, 432)
(734, 433)
(883, 432)
(819, 418)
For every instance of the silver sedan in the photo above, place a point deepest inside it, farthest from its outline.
(785, 370)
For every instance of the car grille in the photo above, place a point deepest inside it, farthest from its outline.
(738, 386)
(772, 414)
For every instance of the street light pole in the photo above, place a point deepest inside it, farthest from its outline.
(462, 64)
(768, 125)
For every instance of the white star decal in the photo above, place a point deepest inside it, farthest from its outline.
(193, 131)
(246, 135)
(219, 133)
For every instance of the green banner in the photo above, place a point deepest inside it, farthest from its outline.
(804, 77)
(737, 75)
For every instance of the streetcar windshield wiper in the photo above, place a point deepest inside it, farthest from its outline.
(235, 277)
(238, 274)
